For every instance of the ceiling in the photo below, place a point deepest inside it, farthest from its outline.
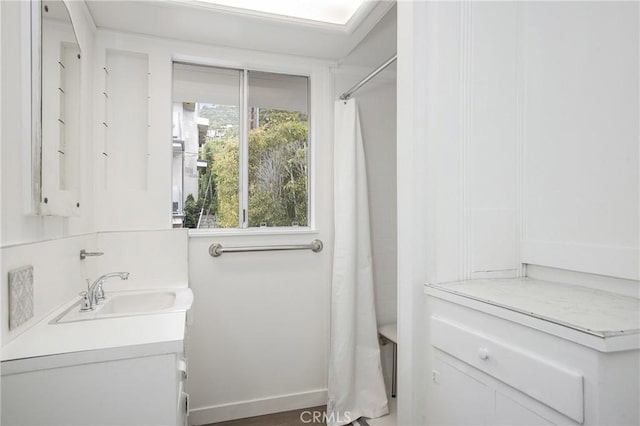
(329, 11)
(380, 45)
(221, 25)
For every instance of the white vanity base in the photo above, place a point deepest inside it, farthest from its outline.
(494, 363)
(116, 371)
(140, 390)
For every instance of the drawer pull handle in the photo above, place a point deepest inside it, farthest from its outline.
(483, 353)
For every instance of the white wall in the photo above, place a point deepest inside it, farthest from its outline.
(580, 162)
(416, 228)
(517, 143)
(472, 140)
(18, 227)
(156, 258)
(258, 339)
(489, 144)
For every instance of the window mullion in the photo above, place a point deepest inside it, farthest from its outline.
(243, 195)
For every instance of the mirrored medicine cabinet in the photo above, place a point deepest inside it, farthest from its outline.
(55, 110)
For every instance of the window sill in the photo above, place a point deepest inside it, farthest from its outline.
(198, 233)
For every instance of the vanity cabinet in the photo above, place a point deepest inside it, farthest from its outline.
(527, 352)
(109, 387)
(110, 370)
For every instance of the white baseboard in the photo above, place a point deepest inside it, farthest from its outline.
(256, 407)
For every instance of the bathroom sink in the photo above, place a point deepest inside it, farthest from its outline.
(131, 303)
(141, 302)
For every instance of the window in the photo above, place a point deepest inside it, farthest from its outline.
(240, 144)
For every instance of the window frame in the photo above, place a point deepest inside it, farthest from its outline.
(243, 153)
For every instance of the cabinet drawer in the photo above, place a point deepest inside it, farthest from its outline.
(542, 379)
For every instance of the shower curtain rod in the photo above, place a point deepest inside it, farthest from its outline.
(346, 95)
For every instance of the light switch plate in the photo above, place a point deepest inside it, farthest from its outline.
(20, 296)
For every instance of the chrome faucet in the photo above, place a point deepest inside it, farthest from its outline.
(95, 292)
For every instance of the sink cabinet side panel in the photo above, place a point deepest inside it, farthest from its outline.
(135, 391)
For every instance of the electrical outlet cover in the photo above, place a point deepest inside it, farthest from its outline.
(20, 296)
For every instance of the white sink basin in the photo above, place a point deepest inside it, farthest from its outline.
(141, 302)
(130, 303)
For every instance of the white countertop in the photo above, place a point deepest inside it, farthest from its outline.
(593, 311)
(45, 339)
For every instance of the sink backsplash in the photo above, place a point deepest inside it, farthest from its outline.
(154, 258)
(58, 275)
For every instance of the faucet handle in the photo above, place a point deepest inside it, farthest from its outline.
(99, 291)
(85, 303)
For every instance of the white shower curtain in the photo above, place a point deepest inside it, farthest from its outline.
(356, 384)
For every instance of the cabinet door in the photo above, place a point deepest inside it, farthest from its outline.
(135, 391)
(510, 413)
(456, 398)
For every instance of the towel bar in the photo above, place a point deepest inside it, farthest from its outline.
(216, 249)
